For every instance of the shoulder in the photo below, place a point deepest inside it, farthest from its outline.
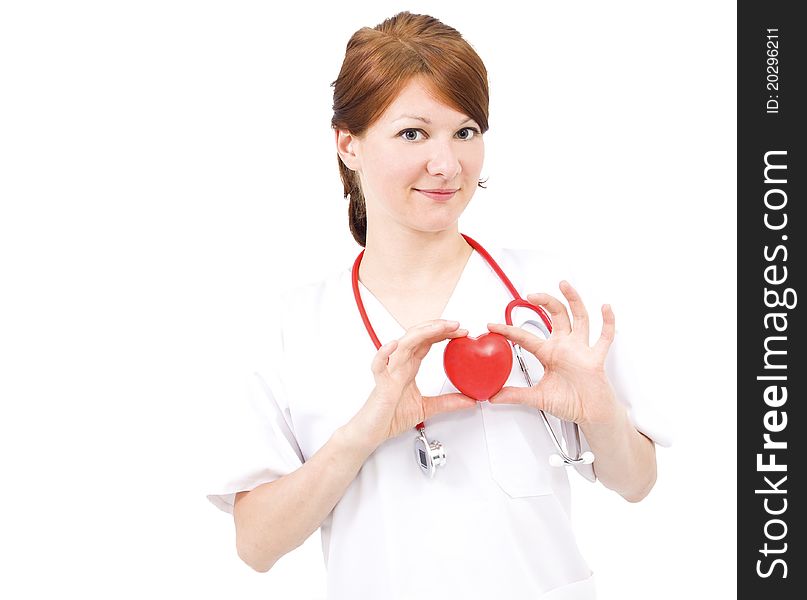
(304, 308)
(313, 294)
(531, 258)
(534, 270)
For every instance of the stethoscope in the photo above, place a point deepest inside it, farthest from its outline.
(431, 454)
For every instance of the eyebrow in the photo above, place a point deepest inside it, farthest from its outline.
(424, 119)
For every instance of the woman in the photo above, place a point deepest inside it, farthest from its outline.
(329, 441)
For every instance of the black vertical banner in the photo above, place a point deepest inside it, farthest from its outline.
(772, 368)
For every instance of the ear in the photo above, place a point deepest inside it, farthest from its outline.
(346, 144)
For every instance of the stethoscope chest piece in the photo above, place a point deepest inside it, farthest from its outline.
(429, 455)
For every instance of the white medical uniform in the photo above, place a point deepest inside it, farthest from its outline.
(493, 522)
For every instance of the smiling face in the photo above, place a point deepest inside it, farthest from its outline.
(416, 148)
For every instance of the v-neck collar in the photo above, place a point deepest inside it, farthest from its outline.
(477, 299)
(387, 326)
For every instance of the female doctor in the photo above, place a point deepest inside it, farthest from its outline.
(327, 441)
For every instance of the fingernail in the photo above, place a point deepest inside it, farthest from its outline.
(453, 322)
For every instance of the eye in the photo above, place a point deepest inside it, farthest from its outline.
(410, 135)
(470, 132)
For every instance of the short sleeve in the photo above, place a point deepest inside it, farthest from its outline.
(633, 375)
(635, 371)
(257, 443)
(629, 376)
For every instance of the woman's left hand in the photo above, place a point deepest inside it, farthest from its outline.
(574, 386)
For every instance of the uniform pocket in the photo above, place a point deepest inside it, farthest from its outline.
(517, 448)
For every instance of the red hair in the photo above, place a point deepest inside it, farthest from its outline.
(378, 64)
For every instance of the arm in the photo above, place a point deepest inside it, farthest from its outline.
(277, 517)
(625, 459)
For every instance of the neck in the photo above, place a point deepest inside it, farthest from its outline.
(408, 259)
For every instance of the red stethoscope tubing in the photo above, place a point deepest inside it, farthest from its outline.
(517, 299)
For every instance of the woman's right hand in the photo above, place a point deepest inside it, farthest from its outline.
(395, 405)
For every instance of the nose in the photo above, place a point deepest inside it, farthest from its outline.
(444, 161)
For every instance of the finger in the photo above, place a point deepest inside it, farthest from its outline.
(381, 358)
(435, 405)
(557, 311)
(529, 396)
(517, 335)
(608, 331)
(579, 312)
(418, 339)
(432, 323)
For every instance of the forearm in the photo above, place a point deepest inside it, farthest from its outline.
(625, 460)
(277, 517)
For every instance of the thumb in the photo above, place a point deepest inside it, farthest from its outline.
(531, 396)
(435, 405)
(381, 358)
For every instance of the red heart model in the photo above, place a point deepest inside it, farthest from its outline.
(478, 367)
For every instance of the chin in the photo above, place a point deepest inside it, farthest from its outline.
(435, 226)
(436, 218)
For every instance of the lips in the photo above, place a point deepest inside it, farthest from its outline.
(438, 194)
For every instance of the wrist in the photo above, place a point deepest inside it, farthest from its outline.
(610, 421)
(601, 408)
(354, 437)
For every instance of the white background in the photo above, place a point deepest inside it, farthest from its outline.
(166, 167)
